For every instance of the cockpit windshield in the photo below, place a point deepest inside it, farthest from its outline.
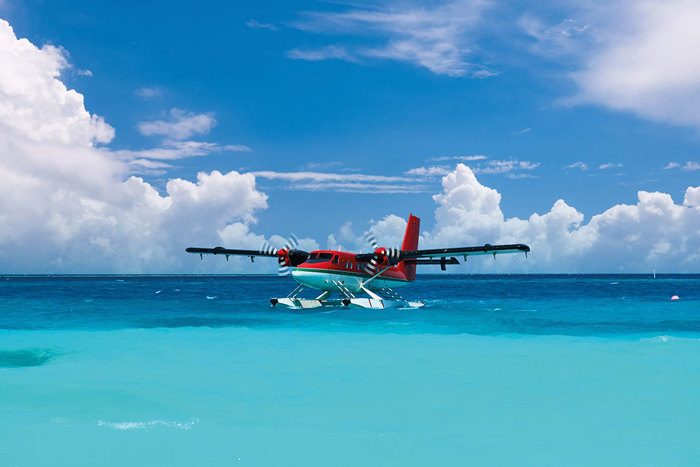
(319, 257)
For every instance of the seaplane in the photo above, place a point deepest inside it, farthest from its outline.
(358, 280)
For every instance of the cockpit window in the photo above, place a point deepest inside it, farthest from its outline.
(319, 257)
(335, 259)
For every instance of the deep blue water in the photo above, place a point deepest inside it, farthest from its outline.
(585, 305)
(494, 370)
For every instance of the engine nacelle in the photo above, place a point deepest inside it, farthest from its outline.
(291, 257)
(283, 257)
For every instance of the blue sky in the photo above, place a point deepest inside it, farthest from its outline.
(525, 95)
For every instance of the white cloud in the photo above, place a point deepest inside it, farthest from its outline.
(692, 197)
(609, 165)
(254, 24)
(344, 182)
(458, 158)
(149, 93)
(436, 37)
(511, 168)
(344, 238)
(179, 150)
(429, 171)
(556, 40)
(68, 206)
(353, 187)
(27, 78)
(324, 53)
(689, 166)
(389, 231)
(644, 60)
(576, 165)
(180, 125)
(329, 177)
(654, 233)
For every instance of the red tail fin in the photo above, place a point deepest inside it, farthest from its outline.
(410, 242)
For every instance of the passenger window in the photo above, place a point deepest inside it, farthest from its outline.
(335, 259)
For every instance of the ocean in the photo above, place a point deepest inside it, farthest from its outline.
(494, 370)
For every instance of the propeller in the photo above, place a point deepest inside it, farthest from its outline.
(267, 249)
(369, 236)
(380, 254)
(290, 256)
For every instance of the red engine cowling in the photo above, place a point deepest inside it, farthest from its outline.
(283, 257)
(382, 258)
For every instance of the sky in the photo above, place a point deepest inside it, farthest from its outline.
(129, 131)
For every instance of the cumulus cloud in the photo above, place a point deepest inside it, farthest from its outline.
(179, 125)
(653, 233)
(28, 77)
(67, 203)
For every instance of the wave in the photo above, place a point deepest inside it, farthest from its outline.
(150, 424)
(667, 338)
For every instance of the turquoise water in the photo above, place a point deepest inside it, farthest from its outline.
(495, 370)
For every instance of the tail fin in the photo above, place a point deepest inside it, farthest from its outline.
(410, 242)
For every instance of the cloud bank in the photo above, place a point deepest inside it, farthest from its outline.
(655, 233)
(67, 203)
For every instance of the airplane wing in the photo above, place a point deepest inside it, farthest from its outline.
(397, 256)
(465, 251)
(229, 252)
(285, 257)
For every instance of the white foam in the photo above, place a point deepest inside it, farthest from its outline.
(144, 425)
(209, 297)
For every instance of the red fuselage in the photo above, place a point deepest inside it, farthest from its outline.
(324, 269)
